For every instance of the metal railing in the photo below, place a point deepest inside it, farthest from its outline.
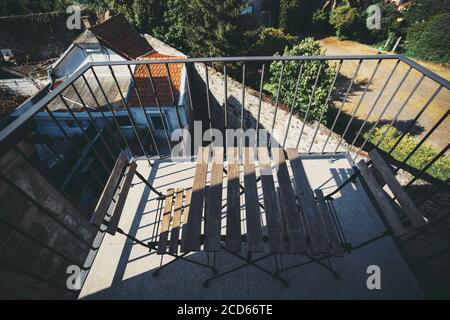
(78, 129)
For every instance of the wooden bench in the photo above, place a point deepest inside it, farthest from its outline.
(402, 216)
(112, 199)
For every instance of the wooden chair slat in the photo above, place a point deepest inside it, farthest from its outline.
(327, 220)
(233, 237)
(214, 208)
(110, 189)
(410, 210)
(291, 215)
(382, 200)
(275, 227)
(253, 213)
(176, 222)
(308, 204)
(165, 223)
(118, 208)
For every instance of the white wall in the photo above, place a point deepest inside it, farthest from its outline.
(77, 56)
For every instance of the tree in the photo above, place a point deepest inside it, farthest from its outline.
(345, 20)
(217, 28)
(296, 15)
(145, 15)
(308, 47)
(172, 29)
(272, 40)
(430, 39)
(421, 10)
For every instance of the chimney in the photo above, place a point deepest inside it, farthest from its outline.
(107, 15)
(85, 22)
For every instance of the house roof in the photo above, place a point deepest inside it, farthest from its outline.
(119, 35)
(161, 81)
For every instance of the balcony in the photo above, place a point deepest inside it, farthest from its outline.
(58, 154)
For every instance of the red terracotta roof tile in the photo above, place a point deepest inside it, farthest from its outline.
(161, 81)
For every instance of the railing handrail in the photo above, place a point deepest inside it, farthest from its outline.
(17, 123)
(428, 73)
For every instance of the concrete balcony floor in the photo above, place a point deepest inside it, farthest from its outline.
(123, 270)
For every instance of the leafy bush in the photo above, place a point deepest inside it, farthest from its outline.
(308, 47)
(391, 23)
(272, 40)
(439, 170)
(430, 39)
(421, 10)
(295, 15)
(320, 22)
(345, 20)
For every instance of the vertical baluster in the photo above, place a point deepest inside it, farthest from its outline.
(358, 105)
(311, 98)
(326, 104)
(130, 117)
(147, 121)
(383, 112)
(158, 104)
(388, 79)
(342, 104)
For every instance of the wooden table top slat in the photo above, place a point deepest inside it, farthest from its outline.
(214, 209)
(408, 206)
(191, 239)
(382, 199)
(327, 220)
(233, 236)
(176, 222)
(273, 216)
(165, 223)
(253, 213)
(308, 204)
(291, 214)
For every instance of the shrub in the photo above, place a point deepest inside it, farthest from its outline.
(345, 21)
(391, 23)
(421, 10)
(439, 170)
(308, 47)
(295, 15)
(430, 39)
(272, 40)
(320, 22)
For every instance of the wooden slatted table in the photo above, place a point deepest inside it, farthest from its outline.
(298, 220)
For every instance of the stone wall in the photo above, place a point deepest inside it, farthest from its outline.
(267, 113)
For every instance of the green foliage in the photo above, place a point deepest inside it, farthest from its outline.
(430, 39)
(272, 40)
(16, 7)
(143, 14)
(172, 29)
(391, 23)
(345, 20)
(440, 169)
(217, 28)
(320, 22)
(296, 15)
(308, 47)
(421, 10)
(274, 7)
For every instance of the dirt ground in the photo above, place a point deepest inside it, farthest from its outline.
(435, 111)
